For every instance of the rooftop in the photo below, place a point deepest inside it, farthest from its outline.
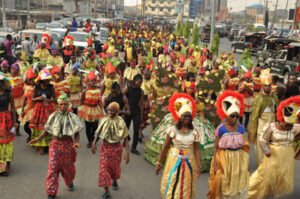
(256, 6)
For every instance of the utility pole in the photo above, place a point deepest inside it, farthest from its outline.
(28, 12)
(275, 15)
(286, 7)
(3, 14)
(212, 22)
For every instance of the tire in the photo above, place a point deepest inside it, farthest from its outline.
(286, 77)
(233, 49)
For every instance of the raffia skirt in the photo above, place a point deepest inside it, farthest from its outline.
(180, 173)
(230, 181)
(275, 175)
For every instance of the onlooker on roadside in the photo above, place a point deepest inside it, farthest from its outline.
(74, 25)
(292, 89)
(8, 43)
(26, 46)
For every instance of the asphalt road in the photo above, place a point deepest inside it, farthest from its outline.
(138, 181)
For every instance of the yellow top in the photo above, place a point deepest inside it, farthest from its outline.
(90, 64)
(108, 83)
(148, 87)
(129, 53)
(56, 61)
(42, 54)
(130, 72)
(74, 83)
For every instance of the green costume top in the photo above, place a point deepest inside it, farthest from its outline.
(261, 102)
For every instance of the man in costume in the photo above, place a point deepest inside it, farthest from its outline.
(263, 112)
(64, 127)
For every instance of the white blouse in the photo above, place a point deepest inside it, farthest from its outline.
(184, 140)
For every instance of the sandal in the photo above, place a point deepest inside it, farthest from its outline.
(106, 195)
(71, 187)
(115, 185)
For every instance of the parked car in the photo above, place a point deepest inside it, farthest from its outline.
(233, 34)
(41, 26)
(285, 61)
(271, 45)
(253, 41)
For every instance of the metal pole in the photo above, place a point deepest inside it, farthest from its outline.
(3, 14)
(275, 13)
(28, 12)
(212, 22)
(286, 6)
(106, 8)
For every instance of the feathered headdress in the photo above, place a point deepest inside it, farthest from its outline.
(288, 110)
(230, 102)
(46, 39)
(68, 40)
(180, 103)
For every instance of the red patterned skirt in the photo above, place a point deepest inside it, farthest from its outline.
(40, 115)
(6, 124)
(109, 163)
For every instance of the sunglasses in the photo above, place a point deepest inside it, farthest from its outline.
(235, 116)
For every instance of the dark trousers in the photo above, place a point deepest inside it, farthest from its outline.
(246, 122)
(27, 129)
(136, 117)
(90, 128)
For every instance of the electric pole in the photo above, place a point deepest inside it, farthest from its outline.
(212, 22)
(3, 14)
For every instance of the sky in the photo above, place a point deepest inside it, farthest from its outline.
(238, 5)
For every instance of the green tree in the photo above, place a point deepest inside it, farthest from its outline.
(187, 30)
(196, 35)
(215, 44)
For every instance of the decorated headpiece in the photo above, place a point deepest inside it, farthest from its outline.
(15, 66)
(230, 102)
(5, 63)
(68, 40)
(63, 97)
(189, 84)
(54, 70)
(265, 77)
(180, 103)
(110, 68)
(182, 58)
(248, 74)
(90, 41)
(44, 75)
(46, 39)
(232, 72)
(92, 76)
(30, 74)
(288, 110)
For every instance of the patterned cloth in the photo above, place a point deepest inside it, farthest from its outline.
(109, 163)
(5, 125)
(40, 115)
(62, 157)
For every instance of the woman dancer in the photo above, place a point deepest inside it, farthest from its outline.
(229, 168)
(8, 125)
(182, 142)
(275, 175)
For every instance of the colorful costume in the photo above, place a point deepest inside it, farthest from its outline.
(6, 124)
(230, 180)
(62, 154)
(42, 109)
(180, 171)
(112, 131)
(263, 113)
(275, 175)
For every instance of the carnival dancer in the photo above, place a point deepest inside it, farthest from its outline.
(91, 107)
(112, 131)
(182, 146)
(229, 173)
(110, 78)
(275, 175)
(59, 84)
(135, 96)
(256, 80)
(75, 87)
(55, 59)
(232, 82)
(200, 122)
(130, 72)
(17, 84)
(28, 104)
(263, 113)
(5, 68)
(246, 89)
(43, 98)
(64, 127)
(8, 125)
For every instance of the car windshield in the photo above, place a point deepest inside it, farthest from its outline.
(80, 37)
